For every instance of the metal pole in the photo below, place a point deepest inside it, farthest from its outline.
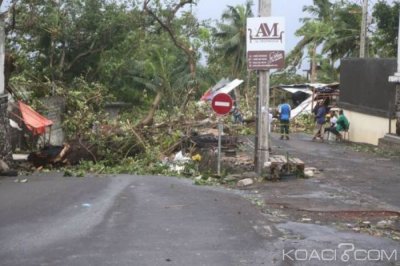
(397, 102)
(219, 146)
(363, 35)
(264, 10)
(390, 117)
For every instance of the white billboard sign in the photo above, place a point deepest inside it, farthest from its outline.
(265, 43)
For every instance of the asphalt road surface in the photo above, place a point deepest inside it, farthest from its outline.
(154, 220)
(127, 220)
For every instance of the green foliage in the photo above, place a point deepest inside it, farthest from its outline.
(84, 108)
(139, 166)
(287, 77)
(230, 41)
(387, 23)
(334, 27)
(61, 41)
(305, 122)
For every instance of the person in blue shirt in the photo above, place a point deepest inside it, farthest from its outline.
(320, 120)
(284, 118)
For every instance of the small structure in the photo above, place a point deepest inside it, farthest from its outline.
(304, 96)
(284, 165)
(367, 98)
(29, 120)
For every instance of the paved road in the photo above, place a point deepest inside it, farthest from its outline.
(366, 174)
(152, 220)
(127, 220)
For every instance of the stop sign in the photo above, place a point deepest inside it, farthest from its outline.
(222, 103)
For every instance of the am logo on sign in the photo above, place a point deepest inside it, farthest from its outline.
(267, 33)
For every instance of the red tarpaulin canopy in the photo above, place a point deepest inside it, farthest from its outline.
(33, 120)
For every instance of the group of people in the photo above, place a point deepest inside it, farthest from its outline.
(325, 120)
(336, 123)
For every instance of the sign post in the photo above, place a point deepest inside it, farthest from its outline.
(265, 51)
(220, 130)
(222, 104)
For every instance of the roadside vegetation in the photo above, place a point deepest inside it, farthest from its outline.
(158, 57)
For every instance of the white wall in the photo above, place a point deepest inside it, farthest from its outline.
(366, 128)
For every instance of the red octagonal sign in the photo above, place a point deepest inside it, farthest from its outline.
(222, 103)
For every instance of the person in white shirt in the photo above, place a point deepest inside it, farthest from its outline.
(332, 121)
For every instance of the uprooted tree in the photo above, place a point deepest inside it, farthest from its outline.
(167, 19)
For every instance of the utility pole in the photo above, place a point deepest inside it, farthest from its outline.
(262, 145)
(363, 35)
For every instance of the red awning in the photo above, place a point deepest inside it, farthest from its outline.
(33, 120)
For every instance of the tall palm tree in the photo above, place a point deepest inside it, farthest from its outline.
(313, 32)
(231, 36)
(161, 73)
(345, 38)
(334, 27)
(321, 9)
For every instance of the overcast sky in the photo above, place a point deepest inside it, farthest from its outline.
(290, 9)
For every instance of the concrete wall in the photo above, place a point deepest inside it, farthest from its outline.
(5, 147)
(367, 128)
(364, 85)
(55, 109)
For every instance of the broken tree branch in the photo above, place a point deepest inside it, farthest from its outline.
(186, 48)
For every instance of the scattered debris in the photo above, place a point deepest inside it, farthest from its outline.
(232, 178)
(284, 165)
(230, 153)
(311, 171)
(308, 174)
(49, 155)
(200, 177)
(3, 166)
(21, 180)
(245, 182)
(384, 224)
(252, 175)
(5, 170)
(180, 158)
(20, 157)
(177, 168)
(365, 224)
